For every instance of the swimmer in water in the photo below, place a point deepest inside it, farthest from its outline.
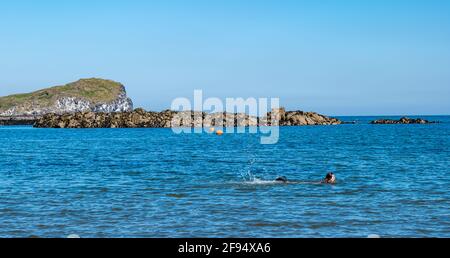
(281, 179)
(330, 178)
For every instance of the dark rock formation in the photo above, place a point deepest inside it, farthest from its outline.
(140, 118)
(22, 120)
(403, 120)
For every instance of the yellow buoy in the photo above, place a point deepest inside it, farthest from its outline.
(219, 132)
(212, 129)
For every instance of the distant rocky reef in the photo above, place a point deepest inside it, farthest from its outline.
(140, 118)
(403, 120)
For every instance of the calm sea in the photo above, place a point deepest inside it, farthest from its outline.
(393, 181)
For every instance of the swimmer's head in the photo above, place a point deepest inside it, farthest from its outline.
(282, 179)
(330, 178)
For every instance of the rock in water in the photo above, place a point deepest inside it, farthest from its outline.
(96, 95)
(403, 120)
(140, 118)
(26, 120)
(299, 118)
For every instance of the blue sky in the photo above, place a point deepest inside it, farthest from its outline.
(334, 57)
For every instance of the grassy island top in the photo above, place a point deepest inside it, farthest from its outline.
(94, 90)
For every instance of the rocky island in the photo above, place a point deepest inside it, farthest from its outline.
(85, 95)
(99, 103)
(403, 120)
(140, 118)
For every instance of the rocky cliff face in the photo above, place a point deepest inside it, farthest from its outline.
(140, 118)
(72, 105)
(86, 95)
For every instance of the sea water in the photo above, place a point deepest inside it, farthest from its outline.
(393, 181)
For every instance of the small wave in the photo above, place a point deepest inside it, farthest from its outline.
(178, 196)
(275, 224)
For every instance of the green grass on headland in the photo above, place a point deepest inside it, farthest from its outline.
(94, 90)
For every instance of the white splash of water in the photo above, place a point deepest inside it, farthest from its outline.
(251, 179)
(257, 181)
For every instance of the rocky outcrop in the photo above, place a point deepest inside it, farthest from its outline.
(22, 120)
(140, 118)
(85, 95)
(298, 118)
(403, 120)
